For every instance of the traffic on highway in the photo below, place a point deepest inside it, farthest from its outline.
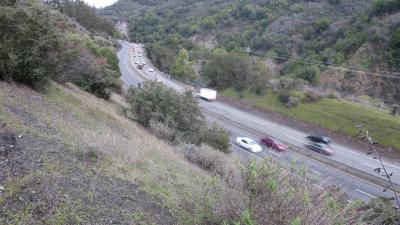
(252, 136)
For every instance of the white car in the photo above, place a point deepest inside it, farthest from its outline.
(144, 63)
(139, 51)
(151, 70)
(136, 62)
(248, 144)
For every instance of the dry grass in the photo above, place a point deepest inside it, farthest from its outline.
(88, 123)
(95, 130)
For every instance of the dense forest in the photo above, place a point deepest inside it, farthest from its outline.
(295, 41)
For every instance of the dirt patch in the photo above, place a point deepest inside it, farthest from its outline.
(310, 128)
(45, 182)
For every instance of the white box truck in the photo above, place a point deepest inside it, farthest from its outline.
(207, 94)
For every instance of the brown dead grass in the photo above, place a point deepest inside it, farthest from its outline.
(86, 123)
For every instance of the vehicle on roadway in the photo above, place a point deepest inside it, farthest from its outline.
(248, 144)
(318, 138)
(207, 94)
(273, 143)
(140, 67)
(151, 70)
(320, 148)
(136, 62)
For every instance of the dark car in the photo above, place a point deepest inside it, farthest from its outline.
(320, 148)
(273, 143)
(317, 138)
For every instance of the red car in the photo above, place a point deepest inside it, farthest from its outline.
(273, 143)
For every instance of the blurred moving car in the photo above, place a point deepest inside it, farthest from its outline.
(320, 148)
(248, 144)
(318, 138)
(273, 143)
(151, 70)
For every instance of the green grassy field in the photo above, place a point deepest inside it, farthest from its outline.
(333, 114)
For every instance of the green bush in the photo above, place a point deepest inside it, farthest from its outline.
(384, 6)
(29, 45)
(216, 137)
(156, 102)
(308, 73)
(322, 25)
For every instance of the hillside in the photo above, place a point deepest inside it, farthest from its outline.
(76, 149)
(71, 158)
(293, 38)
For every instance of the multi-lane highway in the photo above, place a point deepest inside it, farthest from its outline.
(241, 123)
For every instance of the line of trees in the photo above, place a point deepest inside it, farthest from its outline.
(85, 15)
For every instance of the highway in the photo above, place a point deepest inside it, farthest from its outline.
(241, 123)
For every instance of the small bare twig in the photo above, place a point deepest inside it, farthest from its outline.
(364, 134)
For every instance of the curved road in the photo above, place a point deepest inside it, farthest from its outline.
(326, 176)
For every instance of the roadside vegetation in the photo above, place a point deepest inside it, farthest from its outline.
(39, 44)
(174, 117)
(91, 164)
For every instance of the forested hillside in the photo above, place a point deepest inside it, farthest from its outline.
(294, 40)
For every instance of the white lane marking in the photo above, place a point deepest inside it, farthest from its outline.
(365, 193)
(315, 171)
(315, 185)
(369, 165)
(346, 150)
(274, 153)
(299, 140)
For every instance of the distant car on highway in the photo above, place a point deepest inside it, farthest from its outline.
(248, 144)
(318, 138)
(136, 62)
(139, 51)
(273, 143)
(320, 148)
(139, 55)
(151, 70)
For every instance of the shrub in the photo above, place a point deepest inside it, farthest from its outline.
(211, 160)
(312, 96)
(162, 130)
(216, 137)
(29, 45)
(156, 102)
(308, 73)
(322, 25)
(384, 6)
(290, 98)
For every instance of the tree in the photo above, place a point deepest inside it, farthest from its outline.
(226, 69)
(29, 45)
(156, 102)
(182, 68)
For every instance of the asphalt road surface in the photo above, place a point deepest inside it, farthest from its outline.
(325, 176)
